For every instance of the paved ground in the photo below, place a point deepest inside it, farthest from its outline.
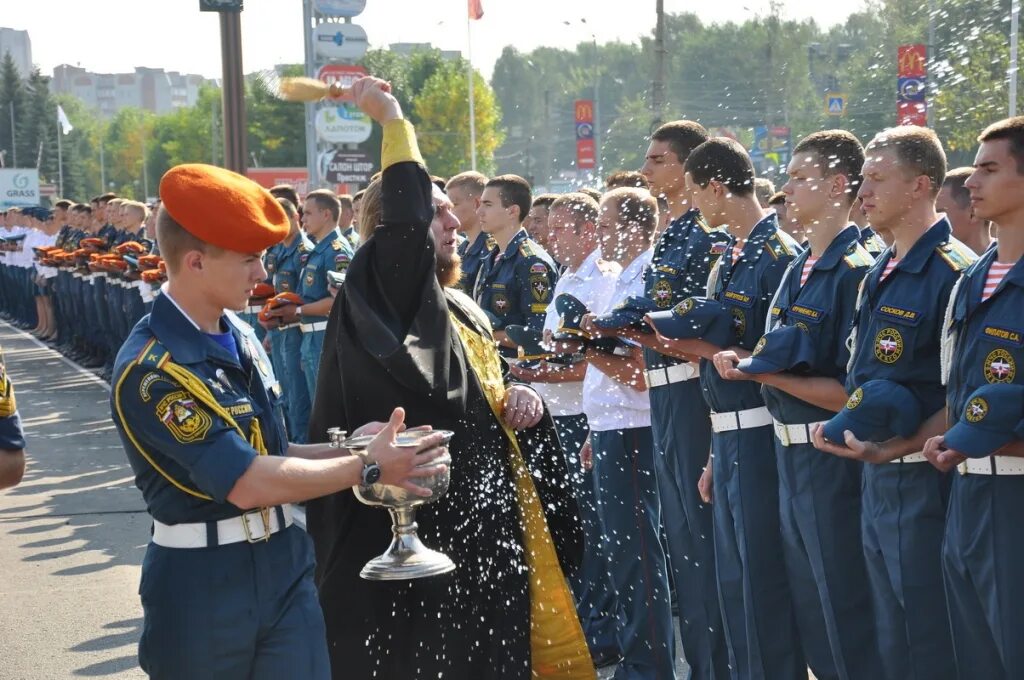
(73, 534)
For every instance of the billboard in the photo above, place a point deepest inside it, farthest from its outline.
(342, 124)
(18, 187)
(912, 85)
(336, 41)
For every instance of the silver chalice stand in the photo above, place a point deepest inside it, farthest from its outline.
(406, 557)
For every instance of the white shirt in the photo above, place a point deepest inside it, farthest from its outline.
(609, 404)
(593, 287)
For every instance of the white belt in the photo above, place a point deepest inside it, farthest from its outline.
(253, 309)
(992, 465)
(249, 527)
(799, 433)
(657, 377)
(740, 420)
(99, 275)
(287, 326)
(313, 327)
(911, 458)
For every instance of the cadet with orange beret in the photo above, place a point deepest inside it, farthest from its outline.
(227, 587)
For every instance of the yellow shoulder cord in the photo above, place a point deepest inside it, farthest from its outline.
(197, 388)
(557, 644)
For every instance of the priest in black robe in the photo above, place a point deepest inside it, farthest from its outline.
(399, 334)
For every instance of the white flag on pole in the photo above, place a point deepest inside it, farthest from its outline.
(62, 118)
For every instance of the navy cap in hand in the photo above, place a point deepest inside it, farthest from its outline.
(570, 318)
(697, 317)
(876, 411)
(530, 343)
(992, 418)
(628, 314)
(788, 348)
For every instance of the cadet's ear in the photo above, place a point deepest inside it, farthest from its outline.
(192, 261)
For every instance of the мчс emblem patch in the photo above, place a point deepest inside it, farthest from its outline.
(186, 420)
(888, 345)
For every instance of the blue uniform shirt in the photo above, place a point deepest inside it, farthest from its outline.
(331, 254)
(899, 322)
(516, 287)
(824, 306)
(682, 261)
(472, 255)
(186, 458)
(989, 335)
(747, 288)
(108, 232)
(289, 261)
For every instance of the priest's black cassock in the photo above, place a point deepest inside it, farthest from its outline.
(390, 342)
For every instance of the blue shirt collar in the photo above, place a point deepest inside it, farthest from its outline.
(937, 235)
(182, 337)
(837, 249)
(325, 243)
(513, 245)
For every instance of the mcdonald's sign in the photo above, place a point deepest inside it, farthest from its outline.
(584, 110)
(586, 147)
(912, 61)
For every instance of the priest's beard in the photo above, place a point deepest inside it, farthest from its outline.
(448, 271)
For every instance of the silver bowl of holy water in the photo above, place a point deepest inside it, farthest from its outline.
(406, 557)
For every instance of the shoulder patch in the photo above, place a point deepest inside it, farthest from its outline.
(538, 268)
(857, 256)
(957, 256)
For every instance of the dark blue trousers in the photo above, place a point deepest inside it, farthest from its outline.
(983, 560)
(682, 442)
(904, 520)
(286, 355)
(627, 501)
(235, 612)
(819, 510)
(595, 601)
(757, 608)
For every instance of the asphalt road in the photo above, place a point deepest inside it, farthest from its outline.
(73, 534)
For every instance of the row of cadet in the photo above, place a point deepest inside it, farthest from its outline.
(762, 398)
(80, 276)
(704, 359)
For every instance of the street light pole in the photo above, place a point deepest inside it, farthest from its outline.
(235, 156)
(1014, 33)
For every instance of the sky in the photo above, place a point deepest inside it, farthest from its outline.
(113, 36)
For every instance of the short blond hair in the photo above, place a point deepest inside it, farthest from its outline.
(175, 241)
(634, 206)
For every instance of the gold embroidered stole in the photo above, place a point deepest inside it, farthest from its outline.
(557, 645)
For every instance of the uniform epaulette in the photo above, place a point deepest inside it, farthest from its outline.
(526, 249)
(336, 244)
(857, 256)
(491, 243)
(777, 247)
(957, 256)
(703, 224)
(874, 244)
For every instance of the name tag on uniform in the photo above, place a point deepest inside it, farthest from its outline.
(804, 311)
(741, 299)
(903, 315)
(1003, 334)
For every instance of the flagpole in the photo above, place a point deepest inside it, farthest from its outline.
(472, 102)
(60, 158)
(14, 141)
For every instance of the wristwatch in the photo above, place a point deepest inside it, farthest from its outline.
(298, 311)
(371, 474)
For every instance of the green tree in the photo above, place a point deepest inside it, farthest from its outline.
(12, 102)
(441, 113)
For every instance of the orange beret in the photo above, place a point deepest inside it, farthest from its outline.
(264, 314)
(223, 208)
(91, 242)
(150, 261)
(263, 290)
(282, 299)
(130, 247)
(152, 276)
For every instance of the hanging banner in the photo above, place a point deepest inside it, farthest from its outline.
(912, 85)
(586, 149)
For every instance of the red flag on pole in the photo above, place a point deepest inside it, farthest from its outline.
(476, 9)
